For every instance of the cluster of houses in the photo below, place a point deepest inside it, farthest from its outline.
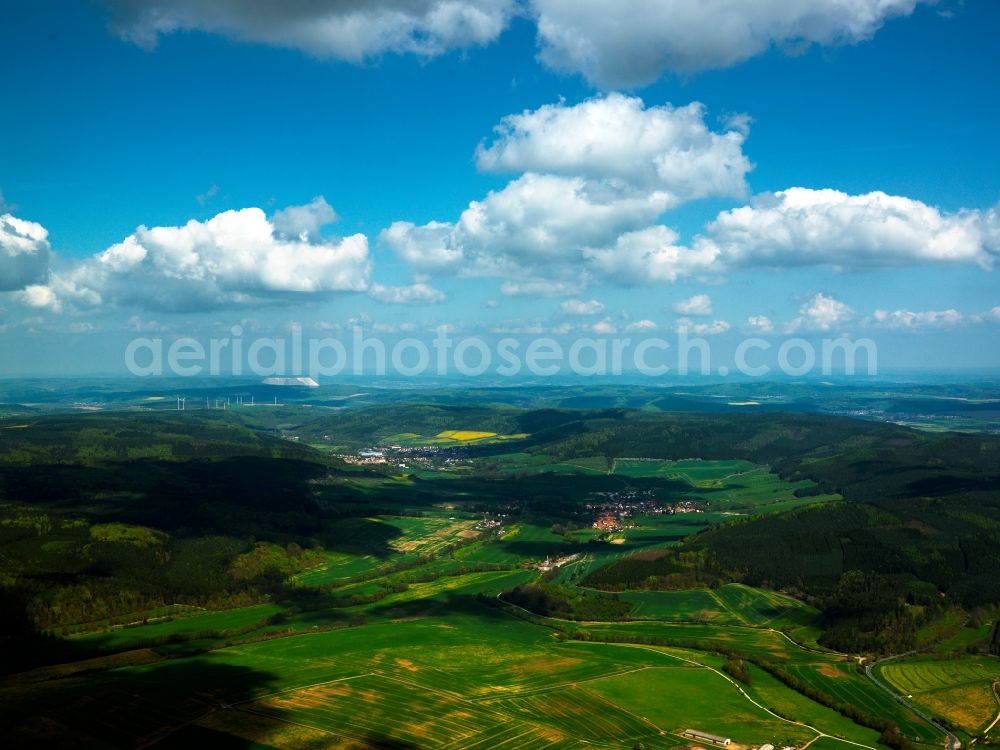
(365, 457)
(401, 455)
(608, 521)
(683, 506)
(616, 509)
(557, 562)
(491, 524)
(638, 501)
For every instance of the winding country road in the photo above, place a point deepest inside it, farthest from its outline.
(953, 741)
(819, 732)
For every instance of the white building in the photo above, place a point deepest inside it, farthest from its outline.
(712, 739)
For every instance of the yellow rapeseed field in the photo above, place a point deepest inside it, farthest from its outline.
(465, 434)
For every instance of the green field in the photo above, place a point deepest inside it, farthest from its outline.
(338, 567)
(760, 607)
(733, 486)
(412, 674)
(180, 627)
(842, 681)
(732, 604)
(958, 690)
(434, 682)
(377, 542)
(963, 637)
(697, 473)
(769, 691)
(834, 674)
(676, 698)
(696, 605)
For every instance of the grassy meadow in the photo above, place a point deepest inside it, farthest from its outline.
(961, 691)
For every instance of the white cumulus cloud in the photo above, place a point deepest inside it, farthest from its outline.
(820, 313)
(303, 222)
(24, 253)
(759, 324)
(537, 226)
(234, 258)
(804, 227)
(714, 328)
(604, 328)
(137, 324)
(353, 30)
(596, 177)
(582, 307)
(628, 43)
(613, 44)
(914, 320)
(641, 325)
(650, 255)
(616, 137)
(39, 296)
(429, 247)
(419, 293)
(699, 304)
(592, 174)
(540, 288)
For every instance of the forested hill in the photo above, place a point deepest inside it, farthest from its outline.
(860, 460)
(918, 531)
(109, 437)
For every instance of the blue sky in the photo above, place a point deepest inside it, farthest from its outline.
(767, 200)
